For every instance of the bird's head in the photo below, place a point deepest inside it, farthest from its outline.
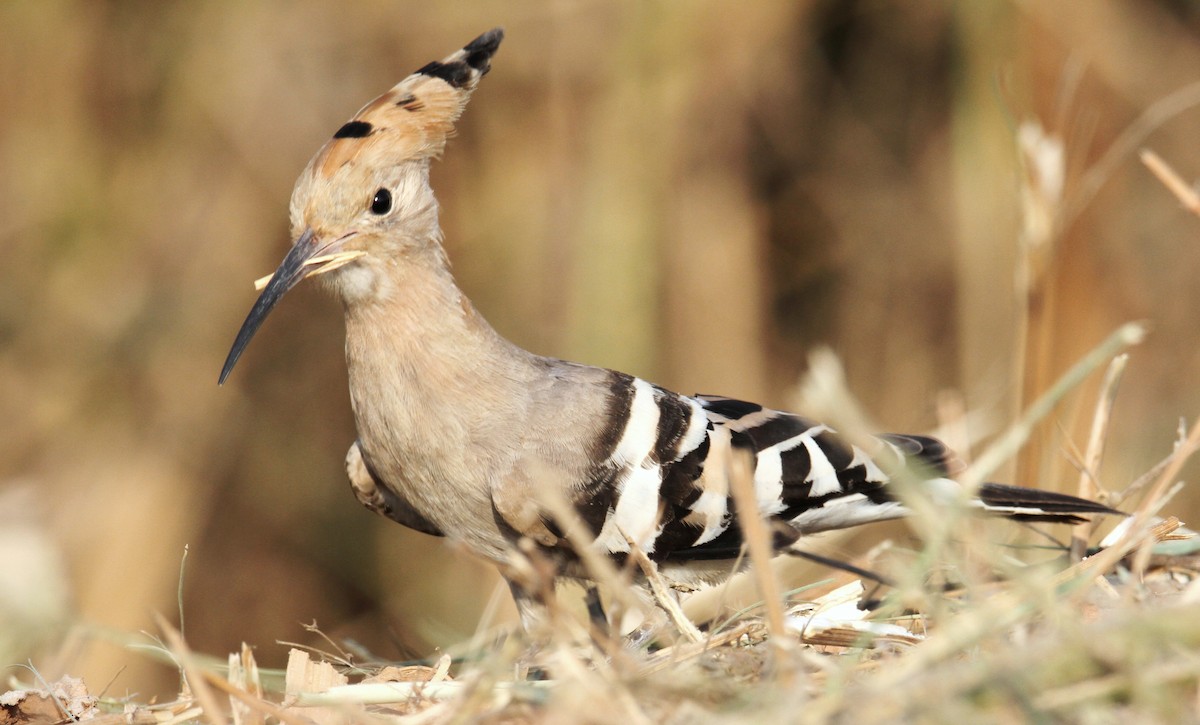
(364, 200)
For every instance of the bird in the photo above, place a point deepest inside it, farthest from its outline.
(463, 434)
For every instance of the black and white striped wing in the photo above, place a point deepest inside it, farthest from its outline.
(805, 475)
(662, 479)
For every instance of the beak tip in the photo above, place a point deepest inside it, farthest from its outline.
(290, 272)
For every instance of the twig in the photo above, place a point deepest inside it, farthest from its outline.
(1144, 511)
(662, 593)
(678, 653)
(1115, 498)
(385, 693)
(330, 262)
(1187, 195)
(1154, 116)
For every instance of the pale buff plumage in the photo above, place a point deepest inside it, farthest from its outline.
(463, 434)
(444, 404)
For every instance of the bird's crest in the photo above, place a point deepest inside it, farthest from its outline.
(414, 118)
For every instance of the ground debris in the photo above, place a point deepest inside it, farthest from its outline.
(66, 699)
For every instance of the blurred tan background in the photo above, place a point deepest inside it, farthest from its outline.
(695, 192)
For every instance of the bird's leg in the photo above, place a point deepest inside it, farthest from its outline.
(644, 634)
(656, 624)
(534, 612)
(530, 577)
(535, 621)
(596, 614)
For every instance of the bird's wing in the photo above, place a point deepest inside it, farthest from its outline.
(382, 499)
(804, 475)
(660, 467)
(661, 475)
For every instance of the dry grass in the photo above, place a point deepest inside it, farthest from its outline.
(1087, 641)
(946, 194)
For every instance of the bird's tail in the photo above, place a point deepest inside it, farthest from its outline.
(1031, 504)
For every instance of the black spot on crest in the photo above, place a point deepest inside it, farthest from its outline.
(456, 74)
(354, 129)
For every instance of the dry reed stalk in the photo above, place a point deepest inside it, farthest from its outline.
(1043, 161)
(194, 675)
(1141, 518)
(758, 541)
(243, 674)
(662, 593)
(1155, 115)
(1047, 212)
(1089, 475)
(1116, 498)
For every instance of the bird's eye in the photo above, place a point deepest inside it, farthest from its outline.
(382, 203)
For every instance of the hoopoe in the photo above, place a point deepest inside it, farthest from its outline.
(461, 432)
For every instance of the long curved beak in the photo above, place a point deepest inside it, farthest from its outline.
(306, 258)
(291, 270)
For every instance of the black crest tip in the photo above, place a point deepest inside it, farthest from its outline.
(468, 64)
(484, 47)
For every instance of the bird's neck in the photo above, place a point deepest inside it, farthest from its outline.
(427, 372)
